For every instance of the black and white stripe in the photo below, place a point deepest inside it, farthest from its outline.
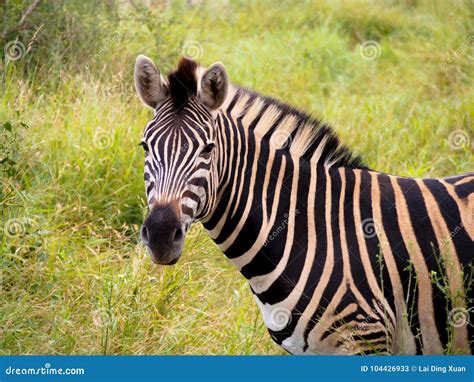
(341, 259)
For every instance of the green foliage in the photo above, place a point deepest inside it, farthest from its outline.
(10, 150)
(74, 277)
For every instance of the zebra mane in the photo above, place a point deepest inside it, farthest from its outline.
(290, 129)
(183, 82)
(286, 127)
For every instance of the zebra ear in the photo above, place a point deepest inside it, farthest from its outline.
(213, 86)
(149, 83)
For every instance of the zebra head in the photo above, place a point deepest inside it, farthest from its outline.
(181, 150)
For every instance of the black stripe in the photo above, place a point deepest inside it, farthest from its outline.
(462, 242)
(287, 280)
(357, 269)
(400, 253)
(246, 150)
(427, 242)
(231, 174)
(320, 251)
(270, 255)
(251, 228)
(456, 178)
(337, 272)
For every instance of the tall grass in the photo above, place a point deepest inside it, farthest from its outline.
(74, 277)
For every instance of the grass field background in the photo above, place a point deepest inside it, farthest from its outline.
(394, 78)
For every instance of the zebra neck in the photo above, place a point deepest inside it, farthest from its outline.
(263, 174)
(257, 201)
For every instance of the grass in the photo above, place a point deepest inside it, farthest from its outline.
(74, 277)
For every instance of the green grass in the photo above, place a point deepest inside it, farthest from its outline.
(75, 279)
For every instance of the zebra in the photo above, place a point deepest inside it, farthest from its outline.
(341, 259)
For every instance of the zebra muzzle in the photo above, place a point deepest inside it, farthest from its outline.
(163, 234)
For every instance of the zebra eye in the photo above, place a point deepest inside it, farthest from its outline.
(207, 149)
(144, 145)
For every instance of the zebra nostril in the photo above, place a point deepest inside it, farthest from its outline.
(178, 236)
(144, 235)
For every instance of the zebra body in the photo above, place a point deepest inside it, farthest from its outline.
(340, 259)
(329, 288)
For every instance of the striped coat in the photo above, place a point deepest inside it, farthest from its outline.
(341, 259)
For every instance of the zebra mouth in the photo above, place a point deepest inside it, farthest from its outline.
(164, 256)
(174, 261)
